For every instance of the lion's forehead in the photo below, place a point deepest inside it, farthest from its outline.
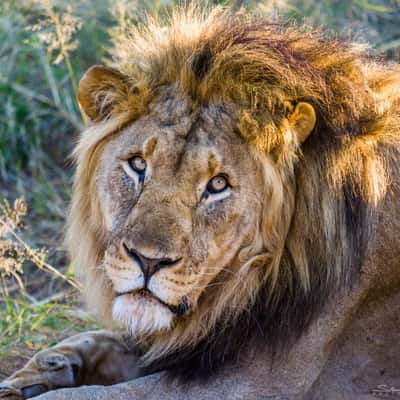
(184, 136)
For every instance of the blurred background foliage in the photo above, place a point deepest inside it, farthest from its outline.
(45, 46)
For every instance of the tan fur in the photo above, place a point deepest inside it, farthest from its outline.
(260, 71)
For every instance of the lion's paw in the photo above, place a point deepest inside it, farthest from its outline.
(46, 371)
(10, 393)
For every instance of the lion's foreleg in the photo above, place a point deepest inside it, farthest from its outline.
(90, 358)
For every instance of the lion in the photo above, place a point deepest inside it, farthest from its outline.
(234, 205)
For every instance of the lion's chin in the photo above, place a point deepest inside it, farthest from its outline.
(142, 315)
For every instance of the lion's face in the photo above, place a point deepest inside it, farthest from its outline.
(181, 197)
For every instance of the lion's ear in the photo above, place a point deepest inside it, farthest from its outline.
(302, 121)
(99, 89)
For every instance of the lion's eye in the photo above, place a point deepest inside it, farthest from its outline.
(217, 184)
(138, 164)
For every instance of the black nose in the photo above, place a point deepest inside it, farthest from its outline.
(149, 266)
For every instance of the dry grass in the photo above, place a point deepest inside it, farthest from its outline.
(14, 251)
(24, 319)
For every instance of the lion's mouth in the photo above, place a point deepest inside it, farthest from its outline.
(144, 293)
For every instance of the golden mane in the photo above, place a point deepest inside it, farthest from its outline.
(333, 182)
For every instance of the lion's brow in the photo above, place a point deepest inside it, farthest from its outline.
(190, 137)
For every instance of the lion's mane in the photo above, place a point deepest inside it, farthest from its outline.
(333, 181)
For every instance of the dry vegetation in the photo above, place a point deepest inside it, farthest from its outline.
(45, 46)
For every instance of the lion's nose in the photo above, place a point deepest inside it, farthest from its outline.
(149, 266)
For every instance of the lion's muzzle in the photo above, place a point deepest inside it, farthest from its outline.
(149, 266)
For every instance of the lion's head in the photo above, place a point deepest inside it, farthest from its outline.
(224, 187)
